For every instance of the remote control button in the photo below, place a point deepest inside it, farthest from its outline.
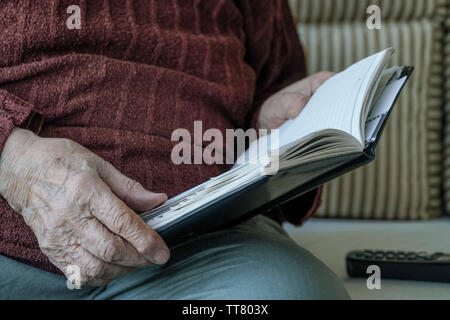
(390, 256)
(422, 254)
(401, 257)
(443, 257)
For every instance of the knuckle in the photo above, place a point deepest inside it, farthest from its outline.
(80, 187)
(112, 251)
(104, 166)
(121, 219)
(84, 223)
(133, 186)
(96, 270)
(147, 244)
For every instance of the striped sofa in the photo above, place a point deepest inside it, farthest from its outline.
(410, 179)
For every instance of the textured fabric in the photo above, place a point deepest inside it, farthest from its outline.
(404, 182)
(254, 260)
(133, 73)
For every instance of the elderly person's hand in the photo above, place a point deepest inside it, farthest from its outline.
(81, 209)
(289, 102)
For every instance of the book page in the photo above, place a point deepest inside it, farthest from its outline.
(338, 103)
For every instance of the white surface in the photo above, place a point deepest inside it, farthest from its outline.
(331, 240)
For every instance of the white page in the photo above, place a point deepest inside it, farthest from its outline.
(337, 103)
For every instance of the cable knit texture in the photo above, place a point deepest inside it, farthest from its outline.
(134, 72)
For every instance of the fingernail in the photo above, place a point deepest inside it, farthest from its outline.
(161, 256)
(163, 197)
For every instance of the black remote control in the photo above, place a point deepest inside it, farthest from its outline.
(404, 265)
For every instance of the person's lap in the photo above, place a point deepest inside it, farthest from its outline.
(254, 260)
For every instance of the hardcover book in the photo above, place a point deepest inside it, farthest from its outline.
(337, 131)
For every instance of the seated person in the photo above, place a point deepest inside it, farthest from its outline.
(86, 116)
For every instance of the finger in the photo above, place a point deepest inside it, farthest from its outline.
(105, 245)
(291, 104)
(295, 98)
(121, 220)
(93, 271)
(129, 190)
(318, 79)
(297, 106)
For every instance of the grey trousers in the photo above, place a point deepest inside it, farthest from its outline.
(253, 260)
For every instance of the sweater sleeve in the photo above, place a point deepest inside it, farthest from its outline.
(275, 54)
(14, 112)
(273, 49)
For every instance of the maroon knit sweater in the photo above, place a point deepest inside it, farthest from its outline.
(134, 72)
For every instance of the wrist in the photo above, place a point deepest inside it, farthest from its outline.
(19, 139)
(17, 143)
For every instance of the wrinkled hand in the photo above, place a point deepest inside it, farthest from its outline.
(289, 102)
(79, 207)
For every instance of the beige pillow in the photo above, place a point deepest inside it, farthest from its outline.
(404, 182)
(446, 186)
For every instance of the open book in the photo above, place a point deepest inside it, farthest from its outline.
(336, 132)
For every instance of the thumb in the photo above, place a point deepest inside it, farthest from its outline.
(128, 190)
(292, 103)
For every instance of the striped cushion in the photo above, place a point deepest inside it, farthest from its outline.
(446, 183)
(404, 182)
(314, 11)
